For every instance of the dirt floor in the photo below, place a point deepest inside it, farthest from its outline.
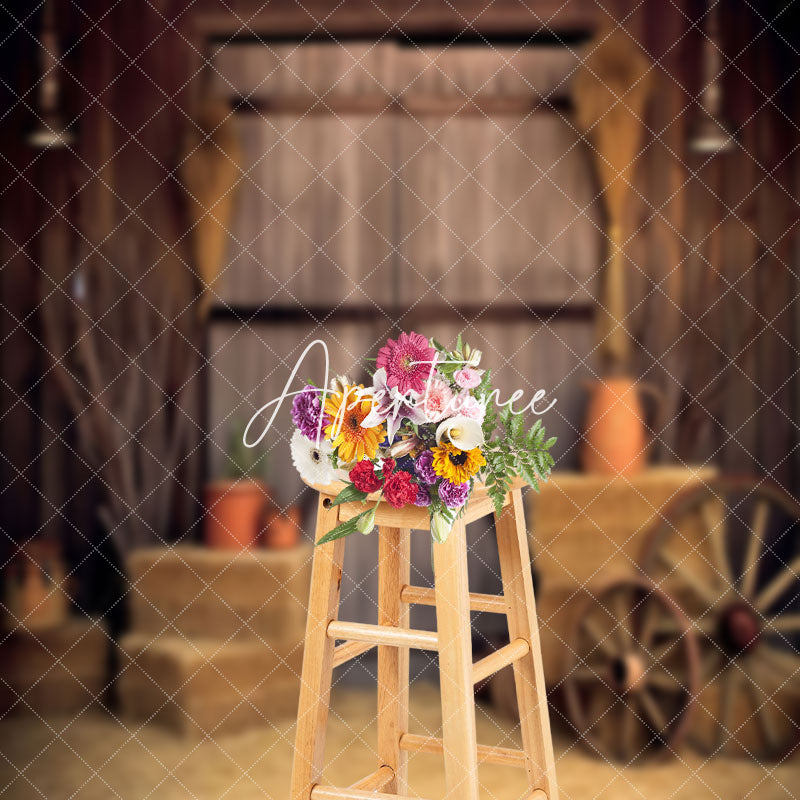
(96, 756)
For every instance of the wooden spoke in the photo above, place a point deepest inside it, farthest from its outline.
(601, 639)
(730, 681)
(762, 703)
(755, 545)
(588, 675)
(786, 663)
(669, 626)
(659, 678)
(785, 623)
(679, 568)
(778, 585)
(622, 614)
(713, 514)
(653, 711)
(628, 728)
(665, 649)
(650, 623)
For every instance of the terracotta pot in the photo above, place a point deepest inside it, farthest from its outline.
(33, 587)
(282, 531)
(234, 513)
(616, 440)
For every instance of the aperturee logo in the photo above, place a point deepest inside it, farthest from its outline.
(427, 430)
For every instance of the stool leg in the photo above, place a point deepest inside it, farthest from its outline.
(393, 573)
(455, 666)
(315, 684)
(515, 567)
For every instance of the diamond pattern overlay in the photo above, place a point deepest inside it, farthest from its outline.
(391, 181)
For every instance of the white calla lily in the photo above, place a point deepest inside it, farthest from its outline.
(462, 432)
(440, 528)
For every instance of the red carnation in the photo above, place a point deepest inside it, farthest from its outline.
(399, 490)
(388, 467)
(364, 478)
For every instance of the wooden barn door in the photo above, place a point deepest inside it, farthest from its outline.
(399, 186)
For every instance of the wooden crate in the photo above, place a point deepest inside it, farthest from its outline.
(587, 530)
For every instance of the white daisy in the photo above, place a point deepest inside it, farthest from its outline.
(312, 462)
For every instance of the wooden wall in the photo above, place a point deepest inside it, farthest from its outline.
(714, 259)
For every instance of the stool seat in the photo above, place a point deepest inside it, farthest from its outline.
(411, 517)
(452, 640)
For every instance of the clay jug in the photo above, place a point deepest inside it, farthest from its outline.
(616, 439)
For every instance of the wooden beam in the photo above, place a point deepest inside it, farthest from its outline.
(275, 314)
(382, 634)
(414, 105)
(349, 650)
(423, 596)
(414, 743)
(500, 658)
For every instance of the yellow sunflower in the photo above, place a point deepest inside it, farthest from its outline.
(457, 466)
(346, 411)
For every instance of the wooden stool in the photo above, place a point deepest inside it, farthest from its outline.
(458, 674)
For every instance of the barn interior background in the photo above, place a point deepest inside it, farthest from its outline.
(600, 196)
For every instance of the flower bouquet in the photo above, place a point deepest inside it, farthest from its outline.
(423, 434)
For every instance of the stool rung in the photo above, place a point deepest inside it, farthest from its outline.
(333, 793)
(414, 743)
(375, 781)
(349, 650)
(383, 634)
(421, 595)
(494, 662)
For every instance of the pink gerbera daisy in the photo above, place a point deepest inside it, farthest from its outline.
(408, 362)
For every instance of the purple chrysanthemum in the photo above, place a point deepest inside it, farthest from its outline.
(423, 466)
(423, 497)
(453, 495)
(306, 411)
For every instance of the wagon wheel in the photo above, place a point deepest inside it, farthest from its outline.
(632, 671)
(729, 553)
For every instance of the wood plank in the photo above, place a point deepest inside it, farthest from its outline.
(383, 635)
(376, 781)
(424, 596)
(455, 666)
(380, 104)
(393, 573)
(334, 793)
(348, 651)
(410, 517)
(515, 568)
(358, 18)
(500, 658)
(778, 585)
(262, 314)
(507, 756)
(315, 682)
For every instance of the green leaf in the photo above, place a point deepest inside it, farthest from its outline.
(348, 495)
(344, 529)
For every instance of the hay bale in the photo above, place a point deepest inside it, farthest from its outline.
(588, 530)
(204, 686)
(198, 592)
(53, 670)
